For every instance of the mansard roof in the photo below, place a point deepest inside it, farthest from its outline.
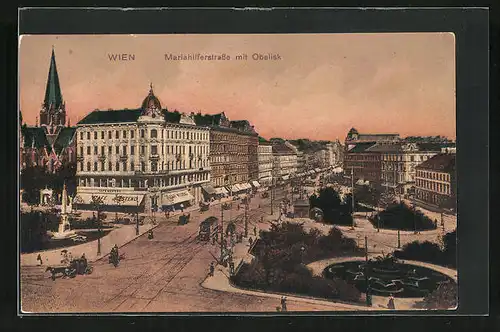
(442, 162)
(111, 116)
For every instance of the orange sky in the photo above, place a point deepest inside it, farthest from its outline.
(324, 85)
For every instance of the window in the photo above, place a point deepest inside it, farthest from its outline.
(154, 166)
(81, 150)
(102, 150)
(88, 134)
(154, 133)
(81, 135)
(102, 134)
(95, 134)
(117, 166)
(125, 150)
(143, 166)
(109, 134)
(102, 166)
(95, 150)
(110, 166)
(131, 134)
(81, 165)
(88, 150)
(124, 134)
(88, 166)
(131, 165)
(154, 149)
(132, 150)
(142, 133)
(143, 149)
(125, 166)
(110, 150)
(117, 149)
(95, 166)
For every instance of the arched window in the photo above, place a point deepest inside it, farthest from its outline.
(154, 133)
(142, 133)
(88, 166)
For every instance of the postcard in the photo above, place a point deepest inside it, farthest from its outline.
(237, 173)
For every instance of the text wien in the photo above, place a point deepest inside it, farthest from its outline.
(121, 57)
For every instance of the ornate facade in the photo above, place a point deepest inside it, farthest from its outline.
(285, 161)
(153, 158)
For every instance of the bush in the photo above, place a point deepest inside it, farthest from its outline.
(402, 217)
(444, 297)
(431, 252)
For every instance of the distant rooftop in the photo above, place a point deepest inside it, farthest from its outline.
(443, 162)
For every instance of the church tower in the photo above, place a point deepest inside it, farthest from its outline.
(53, 112)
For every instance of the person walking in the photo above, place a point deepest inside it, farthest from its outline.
(283, 303)
(39, 258)
(390, 304)
(254, 230)
(182, 208)
(212, 269)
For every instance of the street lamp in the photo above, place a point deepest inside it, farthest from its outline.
(137, 216)
(96, 202)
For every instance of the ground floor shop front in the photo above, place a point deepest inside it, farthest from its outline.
(130, 200)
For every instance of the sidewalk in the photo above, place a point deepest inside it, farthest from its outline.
(120, 236)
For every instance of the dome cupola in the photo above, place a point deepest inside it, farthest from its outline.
(151, 104)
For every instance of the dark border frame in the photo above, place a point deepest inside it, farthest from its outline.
(470, 27)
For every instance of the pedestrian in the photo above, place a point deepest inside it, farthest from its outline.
(254, 231)
(39, 258)
(435, 223)
(283, 303)
(213, 240)
(182, 208)
(390, 304)
(250, 241)
(212, 269)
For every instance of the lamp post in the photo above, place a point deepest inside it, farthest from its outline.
(96, 202)
(399, 240)
(246, 218)
(352, 196)
(414, 216)
(137, 216)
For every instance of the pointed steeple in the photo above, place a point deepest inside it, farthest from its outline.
(53, 96)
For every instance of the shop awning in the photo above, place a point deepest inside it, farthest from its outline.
(110, 199)
(256, 184)
(219, 190)
(208, 189)
(176, 198)
(245, 186)
(235, 188)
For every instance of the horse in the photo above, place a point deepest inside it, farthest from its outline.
(65, 271)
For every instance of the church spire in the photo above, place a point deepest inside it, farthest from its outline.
(53, 96)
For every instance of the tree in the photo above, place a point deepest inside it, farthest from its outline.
(401, 216)
(33, 179)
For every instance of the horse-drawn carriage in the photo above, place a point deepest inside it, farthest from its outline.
(207, 228)
(204, 206)
(227, 206)
(264, 194)
(70, 270)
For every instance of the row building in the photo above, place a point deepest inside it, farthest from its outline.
(145, 158)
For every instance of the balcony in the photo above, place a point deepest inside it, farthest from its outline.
(101, 157)
(154, 156)
(123, 157)
(79, 158)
